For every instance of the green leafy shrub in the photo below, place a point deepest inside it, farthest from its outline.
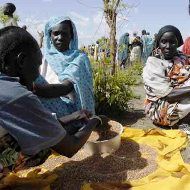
(137, 68)
(133, 73)
(112, 92)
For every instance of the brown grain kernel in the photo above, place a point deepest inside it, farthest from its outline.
(131, 161)
(104, 135)
(126, 163)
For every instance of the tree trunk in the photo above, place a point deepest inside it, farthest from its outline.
(111, 16)
(113, 44)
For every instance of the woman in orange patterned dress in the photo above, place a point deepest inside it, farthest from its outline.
(167, 80)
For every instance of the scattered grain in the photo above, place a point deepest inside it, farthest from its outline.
(131, 161)
(126, 163)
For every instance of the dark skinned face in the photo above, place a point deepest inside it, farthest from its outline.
(61, 36)
(25, 66)
(30, 69)
(168, 45)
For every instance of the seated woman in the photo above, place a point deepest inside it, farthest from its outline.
(167, 80)
(65, 65)
(29, 130)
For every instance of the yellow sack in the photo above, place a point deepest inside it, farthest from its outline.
(172, 173)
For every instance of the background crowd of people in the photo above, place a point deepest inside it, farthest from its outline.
(130, 49)
(135, 49)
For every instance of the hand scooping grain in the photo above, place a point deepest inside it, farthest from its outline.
(105, 124)
(104, 133)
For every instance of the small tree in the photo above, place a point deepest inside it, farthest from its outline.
(110, 10)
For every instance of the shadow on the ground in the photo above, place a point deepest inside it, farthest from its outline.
(130, 117)
(97, 170)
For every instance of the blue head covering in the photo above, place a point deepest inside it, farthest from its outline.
(123, 47)
(48, 27)
(71, 64)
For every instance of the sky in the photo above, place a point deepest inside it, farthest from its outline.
(89, 19)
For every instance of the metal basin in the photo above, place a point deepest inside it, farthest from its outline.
(106, 146)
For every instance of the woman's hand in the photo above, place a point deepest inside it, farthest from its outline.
(76, 116)
(105, 124)
(82, 115)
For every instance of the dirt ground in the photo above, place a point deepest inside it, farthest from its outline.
(136, 117)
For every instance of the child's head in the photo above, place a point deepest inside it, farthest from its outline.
(9, 9)
(20, 55)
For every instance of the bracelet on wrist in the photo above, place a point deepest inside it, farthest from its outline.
(97, 117)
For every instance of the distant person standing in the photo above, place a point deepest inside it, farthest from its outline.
(150, 44)
(96, 51)
(8, 10)
(92, 50)
(154, 41)
(123, 49)
(133, 37)
(136, 50)
(147, 45)
(103, 55)
(83, 49)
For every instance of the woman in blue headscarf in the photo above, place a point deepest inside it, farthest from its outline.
(123, 49)
(65, 65)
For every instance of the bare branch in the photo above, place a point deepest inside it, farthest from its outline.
(111, 10)
(117, 4)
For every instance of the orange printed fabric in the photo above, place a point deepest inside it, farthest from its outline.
(160, 111)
